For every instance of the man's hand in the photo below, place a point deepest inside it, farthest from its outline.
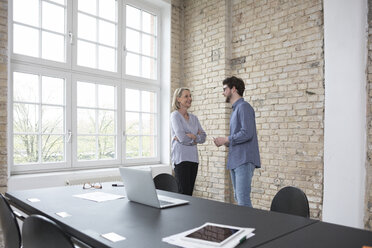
(221, 141)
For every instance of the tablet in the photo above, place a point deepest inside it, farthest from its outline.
(213, 234)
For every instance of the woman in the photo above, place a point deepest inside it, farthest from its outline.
(186, 133)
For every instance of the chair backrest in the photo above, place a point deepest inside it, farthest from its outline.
(9, 225)
(41, 232)
(166, 182)
(291, 200)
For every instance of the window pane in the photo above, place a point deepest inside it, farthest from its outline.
(25, 118)
(107, 33)
(86, 54)
(131, 123)
(133, 17)
(106, 146)
(53, 17)
(148, 146)
(52, 120)
(148, 68)
(107, 9)
(25, 149)
(86, 147)
(148, 23)
(53, 148)
(26, 40)
(132, 146)
(133, 41)
(26, 11)
(106, 97)
(25, 87)
(53, 90)
(148, 45)
(86, 93)
(88, 6)
(148, 102)
(132, 64)
(87, 27)
(86, 121)
(148, 124)
(106, 122)
(106, 58)
(132, 102)
(53, 47)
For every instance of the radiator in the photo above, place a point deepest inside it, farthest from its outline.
(96, 179)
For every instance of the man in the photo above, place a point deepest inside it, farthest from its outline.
(243, 155)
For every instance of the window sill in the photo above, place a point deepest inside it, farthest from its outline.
(55, 179)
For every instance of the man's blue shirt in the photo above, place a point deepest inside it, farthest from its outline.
(243, 143)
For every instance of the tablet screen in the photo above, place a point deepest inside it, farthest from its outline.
(212, 233)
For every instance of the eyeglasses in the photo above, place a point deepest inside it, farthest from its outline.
(92, 186)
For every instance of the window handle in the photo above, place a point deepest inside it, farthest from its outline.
(125, 50)
(69, 133)
(71, 36)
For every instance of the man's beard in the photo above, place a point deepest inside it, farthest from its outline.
(228, 98)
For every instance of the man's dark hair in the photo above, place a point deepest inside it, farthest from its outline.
(237, 82)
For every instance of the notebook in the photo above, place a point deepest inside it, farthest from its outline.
(139, 187)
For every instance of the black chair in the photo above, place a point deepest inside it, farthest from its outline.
(41, 232)
(9, 225)
(166, 182)
(291, 200)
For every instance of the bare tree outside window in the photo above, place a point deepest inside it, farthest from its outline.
(38, 124)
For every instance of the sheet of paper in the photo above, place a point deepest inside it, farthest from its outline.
(63, 214)
(99, 196)
(33, 200)
(113, 237)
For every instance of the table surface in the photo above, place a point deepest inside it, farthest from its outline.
(324, 235)
(145, 226)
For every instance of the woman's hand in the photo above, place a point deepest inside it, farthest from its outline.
(191, 136)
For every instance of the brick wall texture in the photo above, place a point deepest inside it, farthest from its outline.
(3, 98)
(368, 208)
(276, 47)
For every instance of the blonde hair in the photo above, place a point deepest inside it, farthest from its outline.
(177, 94)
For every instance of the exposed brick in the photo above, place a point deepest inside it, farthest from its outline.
(283, 49)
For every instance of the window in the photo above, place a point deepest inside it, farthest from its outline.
(140, 125)
(141, 43)
(39, 29)
(96, 121)
(85, 85)
(97, 34)
(38, 119)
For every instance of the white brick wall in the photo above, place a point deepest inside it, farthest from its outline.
(282, 45)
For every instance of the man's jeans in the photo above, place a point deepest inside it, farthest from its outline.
(241, 178)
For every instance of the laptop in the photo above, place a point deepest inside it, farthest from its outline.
(139, 187)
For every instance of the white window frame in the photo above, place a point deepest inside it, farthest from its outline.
(103, 162)
(151, 9)
(72, 73)
(142, 87)
(119, 57)
(40, 61)
(51, 73)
